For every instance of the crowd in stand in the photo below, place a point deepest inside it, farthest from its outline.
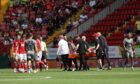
(43, 17)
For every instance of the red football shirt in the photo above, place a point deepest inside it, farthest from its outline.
(21, 48)
(38, 42)
(15, 46)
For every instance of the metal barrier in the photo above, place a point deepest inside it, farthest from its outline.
(94, 19)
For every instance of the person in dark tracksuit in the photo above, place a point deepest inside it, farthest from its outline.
(81, 48)
(87, 47)
(104, 46)
(98, 51)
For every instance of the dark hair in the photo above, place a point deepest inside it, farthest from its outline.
(77, 37)
(24, 36)
(37, 37)
(29, 35)
(69, 38)
(18, 34)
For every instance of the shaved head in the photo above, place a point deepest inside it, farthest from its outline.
(61, 37)
(99, 33)
(84, 38)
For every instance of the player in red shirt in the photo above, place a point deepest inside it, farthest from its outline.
(15, 52)
(22, 54)
(39, 53)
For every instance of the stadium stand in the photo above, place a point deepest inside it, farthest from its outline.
(44, 17)
(112, 25)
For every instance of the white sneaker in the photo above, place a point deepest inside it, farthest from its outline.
(15, 70)
(29, 71)
(132, 68)
(47, 67)
(35, 71)
(21, 70)
(99, 69)
(73, 69)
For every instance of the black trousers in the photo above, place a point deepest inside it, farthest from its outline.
(75, 63)
(65, 60)
(99, 54)
(83, 63)
(106, 56)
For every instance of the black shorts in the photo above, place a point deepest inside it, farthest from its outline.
(99, 54)
(30, 56)
(44, 55)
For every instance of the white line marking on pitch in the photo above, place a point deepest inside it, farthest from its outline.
(22, 76)
(28, 78)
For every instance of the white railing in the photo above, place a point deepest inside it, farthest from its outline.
(99, 16)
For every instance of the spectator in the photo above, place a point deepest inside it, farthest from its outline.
(83, 17)
(133, 20)
(49, 5)
(99, 3)
(87, 9)
(24, 25)
(16, 2)
(14, 22)
(92, 3)
(45, 20)
(74, 6)
(68, 12)
(38, 20)
(80, 3)
(70, 26)
(24, 16)
(75, 23)
(19, 11)
(130, 29)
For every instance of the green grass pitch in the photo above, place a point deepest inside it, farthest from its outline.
(56, 76)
